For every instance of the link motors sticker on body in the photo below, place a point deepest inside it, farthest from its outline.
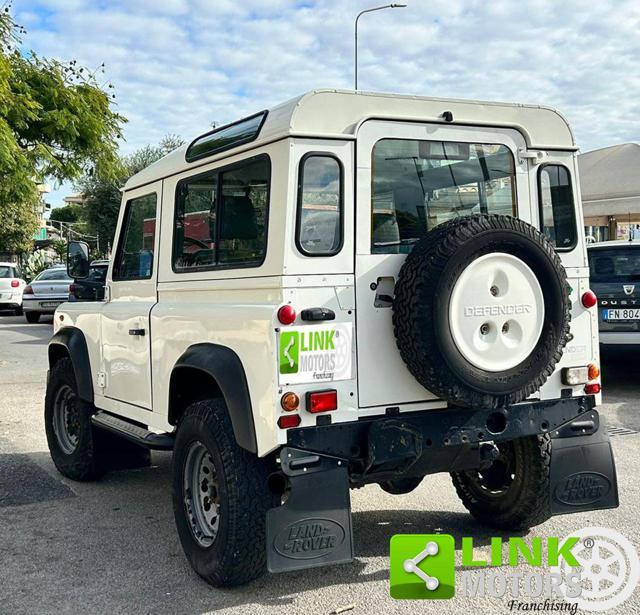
(320, 353)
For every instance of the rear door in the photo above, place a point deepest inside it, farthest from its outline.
(411, 177)
(132, 293)
(10, 284)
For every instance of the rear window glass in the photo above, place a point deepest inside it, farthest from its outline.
(614, 264)
(52, 274)
(420, 184)
(7, 272)
(557, 212)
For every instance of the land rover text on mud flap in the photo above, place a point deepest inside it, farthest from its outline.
(349, 288)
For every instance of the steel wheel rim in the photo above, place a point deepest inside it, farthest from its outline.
(495, 481)
(201, 494)
(66, 419)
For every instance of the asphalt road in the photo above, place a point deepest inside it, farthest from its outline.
(110, 546)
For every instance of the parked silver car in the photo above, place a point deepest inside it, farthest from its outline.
(45, 293)
(11, 287)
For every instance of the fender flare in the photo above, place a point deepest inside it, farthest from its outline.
(225, 367)
(74, 342)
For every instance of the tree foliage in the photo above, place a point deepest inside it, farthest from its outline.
(71, 213)
(56, 122)
(103, 196)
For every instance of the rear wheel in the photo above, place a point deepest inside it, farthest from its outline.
(220, 497)
(32, 317)
(513, 493)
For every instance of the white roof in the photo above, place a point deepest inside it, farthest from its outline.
(338, 113)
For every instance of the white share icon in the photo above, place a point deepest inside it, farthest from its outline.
(411, 565)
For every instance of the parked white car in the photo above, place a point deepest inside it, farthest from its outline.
(349, 288)
(43, 295)
(11, 287)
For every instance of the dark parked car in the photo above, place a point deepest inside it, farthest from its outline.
(90, 288)
(615, 279)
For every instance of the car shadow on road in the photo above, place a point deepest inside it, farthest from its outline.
(129, 515)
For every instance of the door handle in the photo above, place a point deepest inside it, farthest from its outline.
(137, 332)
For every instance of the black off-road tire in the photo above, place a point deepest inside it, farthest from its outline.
(32, 317)
(525, 503)
(97, 451)
(82, 463)
(237, 554)
(400, 486)
(421, 310)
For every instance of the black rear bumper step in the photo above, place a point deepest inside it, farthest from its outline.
(133, 432)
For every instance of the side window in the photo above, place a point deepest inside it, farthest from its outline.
(319, 217)
(134, 259)
(557, 211)
(221, 217)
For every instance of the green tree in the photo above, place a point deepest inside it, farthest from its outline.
(103, 196)
(68, 213)
(55, 122)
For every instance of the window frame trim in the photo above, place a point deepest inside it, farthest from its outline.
(573, 203)
(264, 113)
(217, 171)
(126, 220)
(298, 226)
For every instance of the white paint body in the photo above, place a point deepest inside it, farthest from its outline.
(237, 307)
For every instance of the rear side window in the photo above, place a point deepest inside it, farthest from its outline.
(7, 272)
(319, 218)
(134, 260)
(221, 217)
(557, 211)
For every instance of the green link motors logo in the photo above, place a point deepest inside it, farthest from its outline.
(594, 569)
(422, 566)
(314, 353)
(289, 352)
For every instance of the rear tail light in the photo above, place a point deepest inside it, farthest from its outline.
(289, 420)
(594, 371)
(286, 315)
(27, 290)
(589, 299)
(15, 283)
(322, 401)
(72, 289)
(289, 402)
(573, 376)
(593, 389)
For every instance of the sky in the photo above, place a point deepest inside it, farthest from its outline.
(179, 65)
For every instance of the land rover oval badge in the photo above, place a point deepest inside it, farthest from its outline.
(309, 538)
(582, 488)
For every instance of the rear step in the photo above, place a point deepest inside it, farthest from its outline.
(134, 432)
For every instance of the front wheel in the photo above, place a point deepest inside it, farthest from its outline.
(513, 493)
(220, 498)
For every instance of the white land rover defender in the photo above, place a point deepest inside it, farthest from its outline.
(349, 288)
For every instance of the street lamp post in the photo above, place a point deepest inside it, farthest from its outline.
(355, 37)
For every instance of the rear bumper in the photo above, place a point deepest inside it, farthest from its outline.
(619, 338)
(313, 527)
(44, 305)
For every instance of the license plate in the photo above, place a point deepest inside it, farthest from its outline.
(51, 304)
(622, 314)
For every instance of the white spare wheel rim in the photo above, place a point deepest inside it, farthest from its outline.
(496, 312)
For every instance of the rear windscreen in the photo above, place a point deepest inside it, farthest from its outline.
(614, 264)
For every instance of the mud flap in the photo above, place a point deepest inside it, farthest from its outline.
(313, 527)
(583, 473)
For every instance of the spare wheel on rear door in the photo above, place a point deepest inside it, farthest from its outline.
(481, 310)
